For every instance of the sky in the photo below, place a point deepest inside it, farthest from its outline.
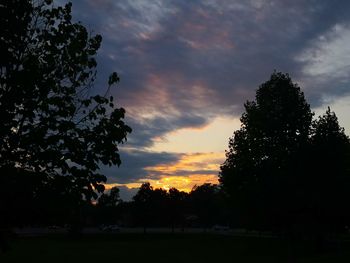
(187, 67)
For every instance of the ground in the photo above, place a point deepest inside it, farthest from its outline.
(166, 248)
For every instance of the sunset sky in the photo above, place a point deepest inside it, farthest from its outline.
(187, 67)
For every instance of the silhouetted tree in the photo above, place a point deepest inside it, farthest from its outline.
(107, 207)
(207, 203)
(112, 199)
(259, 173)
(53, 123)
(329, 175)
(177, 207)
(142, 205)
(150, 207)
(56, 131)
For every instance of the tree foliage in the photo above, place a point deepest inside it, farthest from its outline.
(110, 200)
(53, 122)
(329, 174)
(280, 164)
(208, 204)
(203, 206)
(274, 128)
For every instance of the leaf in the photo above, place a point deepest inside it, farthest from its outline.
(113, 78)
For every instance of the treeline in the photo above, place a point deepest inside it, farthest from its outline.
(204, 206)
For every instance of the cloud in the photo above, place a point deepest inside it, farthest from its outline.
(134, 163)
(327, 65)
(146, 130)
(230, 46)
(184, 63)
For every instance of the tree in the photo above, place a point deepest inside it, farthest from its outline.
(151, 205)
(111, 199)
(144, 194)
(142, 205)
(53, 123)
(259, 171)
(107, 209)
(177, 207)
(328, 181)
(207, 203)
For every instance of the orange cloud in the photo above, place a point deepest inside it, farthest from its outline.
(190, 170)
(190, 163)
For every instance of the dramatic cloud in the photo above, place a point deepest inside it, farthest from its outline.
(134, 164)
(185, 63)
(139, 166)
(195, 54)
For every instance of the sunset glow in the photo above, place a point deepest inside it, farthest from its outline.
(182, 183)
(190, 170)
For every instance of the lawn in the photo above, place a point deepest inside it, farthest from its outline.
(164, 248)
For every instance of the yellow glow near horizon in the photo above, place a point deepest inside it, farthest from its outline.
(210, 138)
(190, 170)
(181, 183)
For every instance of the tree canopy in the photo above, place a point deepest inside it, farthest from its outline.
(53, 121)
(329, 174)
(271, 170)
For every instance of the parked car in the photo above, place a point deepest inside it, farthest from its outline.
(54, 227)
(220, 228)
(110, 228)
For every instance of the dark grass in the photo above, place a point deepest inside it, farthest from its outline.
(166, 248)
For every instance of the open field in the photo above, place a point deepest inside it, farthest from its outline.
(166, 248)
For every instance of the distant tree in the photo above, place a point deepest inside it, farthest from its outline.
(107, 210)
(142, 205)
(157, 207)
(177, 207)
(259, 172)
(53, 122)
(144, 193)
(110, 200)
(203, 206)
(206, 202)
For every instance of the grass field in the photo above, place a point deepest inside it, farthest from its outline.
(164, 248)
